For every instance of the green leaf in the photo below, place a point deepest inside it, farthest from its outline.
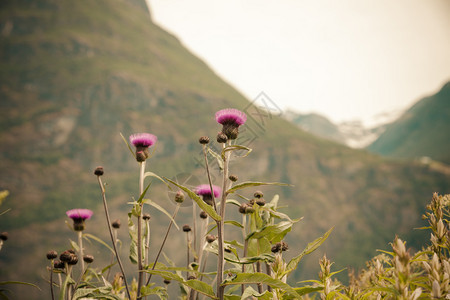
(133, 240)
(217, 156)
(143, 193)
(161, 209)
(207, 208)
(151, 174)
(250, 292)
(250, 278)
(311, 247)
(128, 145)
(308, 289)
(252, 183)
(95, 293)
(274, 233)
(201, 287)
(19, 282)
(233, 148)
(88, 236)
(235, 223)
(74, 245)
(232, 201)
(160, 291)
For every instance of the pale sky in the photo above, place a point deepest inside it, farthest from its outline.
(344, 59)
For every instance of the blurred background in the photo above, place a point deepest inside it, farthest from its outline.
(348, 103)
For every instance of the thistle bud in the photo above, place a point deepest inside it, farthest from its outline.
(191, 277)
(73, 260)
(260, 201)
(186, 228)
(4, 236)
(210, 238)
(167, 281)
(58, 264)
(52, 254)
(99, 171)
(233, 178)
(65, 256)
(203, 215)
(203, 140)
(258, 194)
(88, 259)
(221, 138)
(116, 224)
(179, 197)
(141, 156)
(146, 217)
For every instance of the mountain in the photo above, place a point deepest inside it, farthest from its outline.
(76, 74)
(354, 134)
(421, 131)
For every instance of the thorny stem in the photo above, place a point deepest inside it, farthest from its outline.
(194, 229)
(209, 177)
(164, 241)
(147, 243)
(258, 269)
(220, 229)
(139, 230)
(268, 272)
(108, 221)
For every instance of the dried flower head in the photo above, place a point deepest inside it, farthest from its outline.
(231, 119)
(204, 190)
(79, 215)
(142, 141)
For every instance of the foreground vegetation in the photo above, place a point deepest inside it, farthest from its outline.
(252, 266)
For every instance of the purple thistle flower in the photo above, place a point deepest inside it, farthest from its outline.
(204, 190)
(79, 215)
(231, 119)
(142, 141)
(231, 115)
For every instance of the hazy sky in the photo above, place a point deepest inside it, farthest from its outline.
(346, 59)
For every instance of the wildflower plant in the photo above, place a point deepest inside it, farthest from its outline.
(253, 265)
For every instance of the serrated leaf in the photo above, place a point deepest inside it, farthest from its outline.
(311, 247)
(74, 246)
(207, 208)
(233, 148)
(250, 278)
(252, 183)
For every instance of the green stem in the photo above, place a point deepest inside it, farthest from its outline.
(139, 230)
(220, 230)
(108, 221)
(80, 244)
(51, 279)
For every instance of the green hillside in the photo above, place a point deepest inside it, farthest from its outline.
(424, 130)
(76, 74)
